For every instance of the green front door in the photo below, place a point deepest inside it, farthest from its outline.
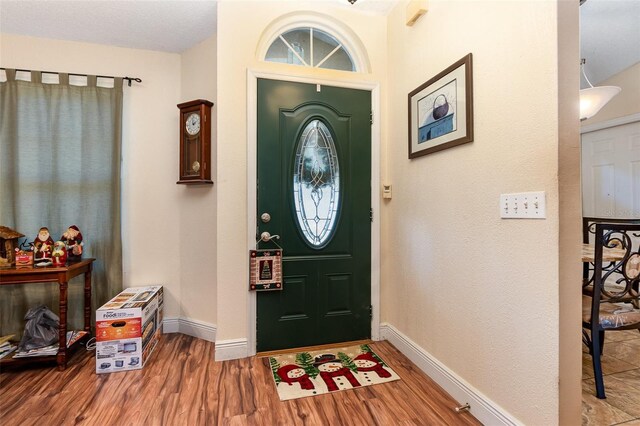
(314, 181)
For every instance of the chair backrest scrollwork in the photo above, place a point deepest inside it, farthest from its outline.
(615, 280)
(611, 281)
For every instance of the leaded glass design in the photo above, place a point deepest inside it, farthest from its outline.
(310, 47)
(316, 184)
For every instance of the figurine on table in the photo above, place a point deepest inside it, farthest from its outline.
(73, 240)
(59, 253)
(42, 248)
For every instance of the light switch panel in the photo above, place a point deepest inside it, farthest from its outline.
(523, 205)
(386, 191)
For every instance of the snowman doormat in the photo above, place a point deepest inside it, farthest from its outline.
(313, 373)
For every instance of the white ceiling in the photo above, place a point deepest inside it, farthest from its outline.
(610, 29)
(164, 25)
(609, 37)
(169, 26)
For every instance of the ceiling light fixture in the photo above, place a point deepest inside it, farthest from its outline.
(593, 99)
(352, 1)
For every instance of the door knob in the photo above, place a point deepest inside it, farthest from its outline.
(266, 236)
(265, 217)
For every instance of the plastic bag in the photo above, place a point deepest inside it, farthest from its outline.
(41, 328)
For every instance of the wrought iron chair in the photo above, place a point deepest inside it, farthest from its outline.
(610, 298)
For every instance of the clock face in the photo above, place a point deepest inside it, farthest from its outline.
(192, 124)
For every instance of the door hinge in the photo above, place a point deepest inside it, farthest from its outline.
(371, 311)
(371, 214)
(371, 117)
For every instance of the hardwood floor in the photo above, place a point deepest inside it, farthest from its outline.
(621, 366)
(182, 385)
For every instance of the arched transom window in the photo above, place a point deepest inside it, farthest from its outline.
(310, 47)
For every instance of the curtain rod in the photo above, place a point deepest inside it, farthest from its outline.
(129, 79)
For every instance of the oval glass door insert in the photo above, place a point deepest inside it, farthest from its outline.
(316, 184)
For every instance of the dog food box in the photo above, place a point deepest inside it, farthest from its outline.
(128, 328)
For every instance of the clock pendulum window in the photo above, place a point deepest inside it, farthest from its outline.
(195, 142)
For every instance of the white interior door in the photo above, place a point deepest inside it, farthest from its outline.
(611, 172)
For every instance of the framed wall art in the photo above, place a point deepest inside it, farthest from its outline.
(441, 110)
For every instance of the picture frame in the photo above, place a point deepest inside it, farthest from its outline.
(265, 270)
(441, 110)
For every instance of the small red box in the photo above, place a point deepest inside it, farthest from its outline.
(24, 258)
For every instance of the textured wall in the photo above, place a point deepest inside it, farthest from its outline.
(570, 209)
(479, 293)
(198, 202)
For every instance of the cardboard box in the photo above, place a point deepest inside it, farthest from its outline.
(128, 328)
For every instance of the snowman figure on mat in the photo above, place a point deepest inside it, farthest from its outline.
(331, 369)
(367, 363)
(294, 374)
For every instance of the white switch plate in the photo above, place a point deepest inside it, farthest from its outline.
(523, 205)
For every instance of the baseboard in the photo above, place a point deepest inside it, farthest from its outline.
(485, 410)
(190, 327)
(231, 349)
(225, 349)
(200, 329)
(171, 325)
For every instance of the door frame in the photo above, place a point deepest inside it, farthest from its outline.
(620, 121)
(252, 173)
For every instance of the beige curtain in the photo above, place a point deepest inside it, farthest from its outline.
(60, 148)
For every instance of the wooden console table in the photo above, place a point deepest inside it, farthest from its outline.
(54, 274)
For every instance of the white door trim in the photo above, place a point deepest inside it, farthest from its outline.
(610, 123)
(252, 164)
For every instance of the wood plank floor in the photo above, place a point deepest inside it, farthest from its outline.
(621, 366)
(182, 385)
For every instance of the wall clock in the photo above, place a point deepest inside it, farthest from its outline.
(195, 142)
